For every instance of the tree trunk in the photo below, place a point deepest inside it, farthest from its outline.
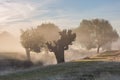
(28, 54)
(60, 56)
(98, 49)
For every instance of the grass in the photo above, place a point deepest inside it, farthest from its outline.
(105, 56)
(86, 69)
(109, 54)
(66, 71)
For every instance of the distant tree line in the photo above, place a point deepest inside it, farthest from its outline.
(90, 34)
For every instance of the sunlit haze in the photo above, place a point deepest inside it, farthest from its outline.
(59, 39)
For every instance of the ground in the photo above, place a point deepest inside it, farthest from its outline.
(99, 67)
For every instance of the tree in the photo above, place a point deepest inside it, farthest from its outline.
(31, 41)
(96, 33)
(49, 30)
(35, 39)
(61, 44)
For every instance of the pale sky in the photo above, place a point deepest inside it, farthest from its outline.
(22, 14)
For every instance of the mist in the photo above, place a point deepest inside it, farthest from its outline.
(11, 48)
(9, 43)
(116, 45)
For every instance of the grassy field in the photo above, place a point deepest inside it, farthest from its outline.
(86, 70)
(77, 70)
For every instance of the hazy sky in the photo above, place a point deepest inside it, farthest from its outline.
(17, 14)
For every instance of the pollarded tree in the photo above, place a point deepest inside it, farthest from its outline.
(31, 41)
(96, 33)
(58, 47)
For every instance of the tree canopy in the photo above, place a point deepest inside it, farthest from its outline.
(49, 30)
(34, 39)
(95, 33)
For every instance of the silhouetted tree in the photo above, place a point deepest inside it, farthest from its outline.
(31, 41)
(95, 33)
(62, 44)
